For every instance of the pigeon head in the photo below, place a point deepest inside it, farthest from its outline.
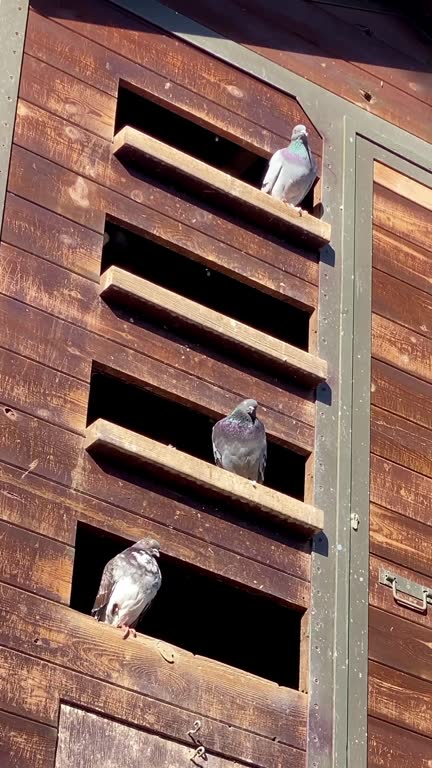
(151, 546)
(299, 132)
(246, 408)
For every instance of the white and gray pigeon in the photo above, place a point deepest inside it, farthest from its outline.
(291, 170)
(239, 442)
(129, 583)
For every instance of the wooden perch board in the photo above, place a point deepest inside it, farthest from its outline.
(130, 144)
(109, 438)
(116, 282)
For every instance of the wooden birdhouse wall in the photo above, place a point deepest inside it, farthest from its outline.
(126, 201)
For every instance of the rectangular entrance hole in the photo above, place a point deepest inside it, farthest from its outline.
(167, 421)
(136, 109)
(166, 125)
(196, 611)
(204, 285)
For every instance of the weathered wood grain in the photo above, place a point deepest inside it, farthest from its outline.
(35, 229)
(36, 282)
(402, 348)
(403, 185)
(401, 259)
(183, 64)
(83, 153)
(390, 746)
(53, 682)
(137, 148)
(70, 53)
(68, 97)
(35, 563)
(382, 597)
(401, 441)
(45, 393)
(402, 217)
(202, 685)
(117, 283)
(401, 394)
(24, 743)
(401, 490)
(402, 303)
(32, 503)
(401, 540)
(400, 699)
(400, 644)
(55, 455)
(104, 437)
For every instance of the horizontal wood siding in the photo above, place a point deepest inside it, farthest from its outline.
(400, 639)
(57, 330)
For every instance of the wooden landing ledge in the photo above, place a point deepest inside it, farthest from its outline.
(117, 283)
(132, 145)
(107, 438)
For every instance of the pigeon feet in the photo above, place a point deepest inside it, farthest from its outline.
(127, 631)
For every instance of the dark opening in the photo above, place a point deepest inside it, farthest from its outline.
(171, 423)
(207, 286)
(145, 115)
(200, 613)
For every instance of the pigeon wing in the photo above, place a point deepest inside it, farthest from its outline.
(105, 590)
(274, 168)
(262, 464)
(216, 438)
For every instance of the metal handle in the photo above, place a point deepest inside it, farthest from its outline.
(421, 608)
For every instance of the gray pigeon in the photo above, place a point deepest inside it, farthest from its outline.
(239, 442)
(291, 170)
(129, 583)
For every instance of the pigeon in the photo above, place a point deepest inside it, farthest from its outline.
(129, 583)
(291, 170)
(239, 442)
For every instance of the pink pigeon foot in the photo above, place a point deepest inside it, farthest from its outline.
(127, 631)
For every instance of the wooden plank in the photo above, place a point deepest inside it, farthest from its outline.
(402, 303)
(45, 393)
(390, 746)
(401, 394)
(204, 687)
(48, 235)
(401, 217)
(32, 503)
(67, 97)
(401, 259)
(35, 563)
(53, 682)
(24, 743)
(134, 146)
(178, 63)
(159, 213)
(402, 348)
(382, 597)
(401, 441)
(118, 283)
(401, 490)
(400, 699)
(282, 568)
(402, 185)
(401, 540)
(147, 359)
(400, 644)
(103, 436)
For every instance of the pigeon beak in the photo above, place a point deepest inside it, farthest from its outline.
(155, 553)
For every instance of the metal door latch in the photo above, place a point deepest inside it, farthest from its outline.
(421, 595)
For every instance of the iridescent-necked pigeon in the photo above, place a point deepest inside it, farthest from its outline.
(291, 170)
(129, 583)
(239, 442)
